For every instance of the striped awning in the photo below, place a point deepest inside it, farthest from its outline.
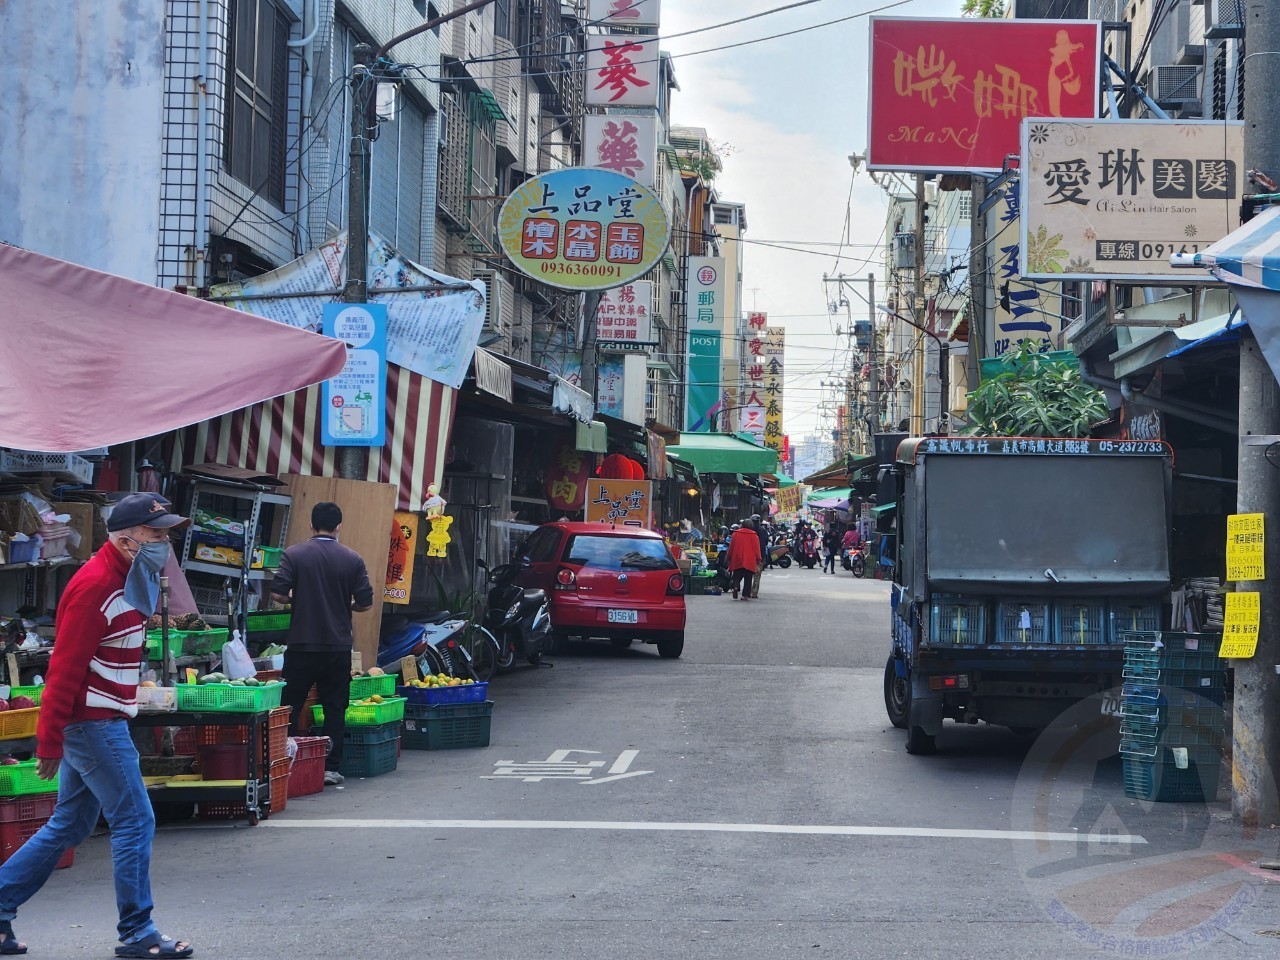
(1249, 256)
(282, 436)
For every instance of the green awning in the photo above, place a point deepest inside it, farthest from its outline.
(883, 509)
(724, 453)
(839, 493)
(784, 481)
(489, 103)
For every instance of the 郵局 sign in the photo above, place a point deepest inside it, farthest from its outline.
(1118, 198)
(404, 544)
(625, 503)
(583, 229)
(949, 95)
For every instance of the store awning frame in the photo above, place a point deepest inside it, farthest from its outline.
(724, 453)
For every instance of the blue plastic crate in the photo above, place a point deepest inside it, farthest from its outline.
(1133, 618)
(957, 621)
(1080, 623)
(1024, 621)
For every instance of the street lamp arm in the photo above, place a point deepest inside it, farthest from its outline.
(429, 25)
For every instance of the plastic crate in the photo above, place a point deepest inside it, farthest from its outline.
(449, 726)
(362, 687)
(363, 736)
(957, 621)
(277, 735)
(1161, 779)
(26, 461)
(19, 779)
(463, 693)
(307, 775)
(268, 620)
(1133, 618)
(224, 698)
(27, 808)
(1023, 622)
(15, 832)
(35, 693)
(1080, 623)
(177, 644)
(390, 710)
(237, 810)
(17, 724)
(369, 759)
(206, 641)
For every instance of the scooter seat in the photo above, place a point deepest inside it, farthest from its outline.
(535, 595)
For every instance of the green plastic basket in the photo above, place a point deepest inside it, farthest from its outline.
(362, 687)
(35, 693)
(390, 710)
(19, 779)
(177, 644)
(268, 620)
(207, 641)
(224, 698)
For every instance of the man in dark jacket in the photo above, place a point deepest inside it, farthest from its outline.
(762, 531)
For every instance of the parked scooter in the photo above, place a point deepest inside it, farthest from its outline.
(435, 638)
(518, 618)
(780, 554)
(855, 560)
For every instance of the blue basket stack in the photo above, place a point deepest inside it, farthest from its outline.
(1171, 716)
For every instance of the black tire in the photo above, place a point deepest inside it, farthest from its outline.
(897, 692)
(859, 569)
(558, 642)
(485, 652)
(506, 656)
(784, 562)
(670, 648)
(919, 743)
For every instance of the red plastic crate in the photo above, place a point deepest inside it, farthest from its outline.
(277, 735)
(220, 810)
(307, 776)
(33, 807)
(14, 833)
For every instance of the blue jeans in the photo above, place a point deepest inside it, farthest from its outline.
(99, 774)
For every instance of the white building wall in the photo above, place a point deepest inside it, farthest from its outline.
(81, 113)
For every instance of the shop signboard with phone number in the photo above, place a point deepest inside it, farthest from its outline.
(583, 229)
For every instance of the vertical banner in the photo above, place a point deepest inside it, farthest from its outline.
(355, 400)
(753, 411)
(404, 544)
(774, 350)
(627, 503)
(1021, 309)
(623, 319)
(621, 72)
(623, 13)
(704, 305)
(568, 471)
(609, 386)
(625, 143)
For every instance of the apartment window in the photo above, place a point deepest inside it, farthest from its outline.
(257, 97)
(964, 208)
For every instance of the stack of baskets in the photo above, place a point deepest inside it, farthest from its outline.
(447, 718)
(1172, 722)
(26, 804)
(271, 758)
(371, 740)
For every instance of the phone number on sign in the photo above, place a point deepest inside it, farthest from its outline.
(582, 269)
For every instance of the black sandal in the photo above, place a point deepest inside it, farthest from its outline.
(9, 945)
(167, 947)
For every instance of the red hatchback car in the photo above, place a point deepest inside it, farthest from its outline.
(618, 583)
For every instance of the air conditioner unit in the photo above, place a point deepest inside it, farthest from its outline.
(1222, 19)
(1172, 84)
(498, 292)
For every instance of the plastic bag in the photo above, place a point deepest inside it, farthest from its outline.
(236, 662)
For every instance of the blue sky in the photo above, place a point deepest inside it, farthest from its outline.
(791, 110)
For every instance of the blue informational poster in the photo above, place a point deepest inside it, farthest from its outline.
(355, 400)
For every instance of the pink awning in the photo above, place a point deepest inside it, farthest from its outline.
(91, 359)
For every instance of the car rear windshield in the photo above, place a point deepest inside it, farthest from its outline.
(619, 553)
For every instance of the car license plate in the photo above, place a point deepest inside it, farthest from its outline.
(1110, 705)
(624, 616)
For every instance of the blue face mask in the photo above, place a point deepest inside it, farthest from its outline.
(142, 585)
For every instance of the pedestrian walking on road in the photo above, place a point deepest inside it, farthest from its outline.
(325, 582)
(831, 544)
(82, 735)
(762, 534)
(744, 559)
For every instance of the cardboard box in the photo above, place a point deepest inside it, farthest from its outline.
(82, 523)
(19, 516)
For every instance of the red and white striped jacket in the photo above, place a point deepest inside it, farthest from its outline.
(97, 652)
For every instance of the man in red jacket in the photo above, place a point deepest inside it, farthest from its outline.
(83, 731)
(744, 559)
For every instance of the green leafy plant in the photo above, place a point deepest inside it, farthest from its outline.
(1035, 397)
(982, 8)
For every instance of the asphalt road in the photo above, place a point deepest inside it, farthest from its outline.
(749, 800)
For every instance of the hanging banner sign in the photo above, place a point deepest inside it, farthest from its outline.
(1020, 310)
(583, 229)
(1246, 547)
(623, 13)
(567, 476)
(355, 400)
(702, 395)
(627, 503)
(404, 546)
(948, 95)
(774, 351)
(623, 316)
(1240, 626)
(621, 71)
(1118, 198)
(624, 143)
(788, 499)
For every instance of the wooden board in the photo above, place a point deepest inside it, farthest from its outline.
(367, 509)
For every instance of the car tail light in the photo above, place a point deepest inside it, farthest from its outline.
(958, 682)
(566, 579)
(675, 585)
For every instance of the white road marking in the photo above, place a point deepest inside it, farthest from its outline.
(821, 830)
(624, 761)
(616, 776)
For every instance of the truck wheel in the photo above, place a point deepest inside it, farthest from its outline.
(896, 692)
(919, 743)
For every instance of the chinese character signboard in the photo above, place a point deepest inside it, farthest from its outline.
(354, 401)
(623, 316)
(1240, 626)
(948, 95)
(625, 503)
(774, 348)
(1246, 543)
(622, 71)
(623, 13)
(567, 476)
(704, 308)
(404, 545)
(753, 406)
(788, 500)
(583, 229)
(625, 144)
(1021, 310)
(609, 397)
(1118, 198)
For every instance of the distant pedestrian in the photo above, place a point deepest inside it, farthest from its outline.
(83, 732)
(325, 582)
(744, 559)
(762, 534)
(831, 546)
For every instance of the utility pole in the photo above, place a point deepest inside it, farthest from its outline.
(590, 307)
(873, 358)
(977, 281)
(1256, 728)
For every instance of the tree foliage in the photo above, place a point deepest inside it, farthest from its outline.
(982, 8)
(1035, 397)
